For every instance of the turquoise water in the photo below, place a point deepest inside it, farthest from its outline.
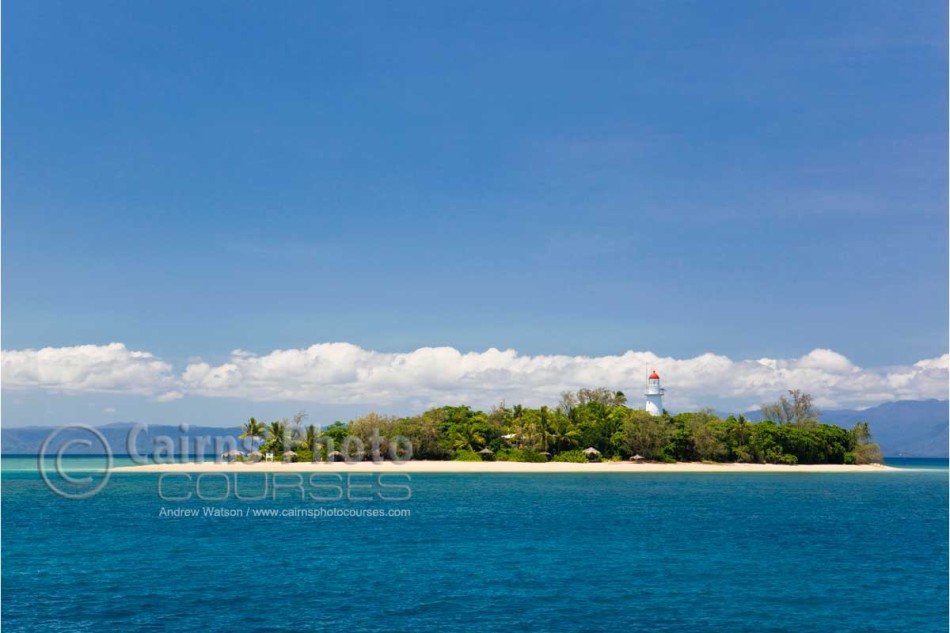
(24, 463)
(644, 552)
(28, 463)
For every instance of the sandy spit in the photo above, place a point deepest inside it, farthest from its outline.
(423, 466)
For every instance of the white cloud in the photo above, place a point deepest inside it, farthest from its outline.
(341, 373)
(108, 368)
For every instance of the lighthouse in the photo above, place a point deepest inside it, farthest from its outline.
(654, 394)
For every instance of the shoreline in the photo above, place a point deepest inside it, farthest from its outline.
(426, 466)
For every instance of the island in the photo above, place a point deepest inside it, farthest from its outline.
(590, 430)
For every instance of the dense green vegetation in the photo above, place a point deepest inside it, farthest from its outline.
(589, 418)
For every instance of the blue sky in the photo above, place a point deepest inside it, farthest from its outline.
(748, 179)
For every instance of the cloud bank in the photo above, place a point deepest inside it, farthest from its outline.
(88, 368)
(342, 373)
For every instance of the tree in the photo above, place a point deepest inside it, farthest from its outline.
(294, 434)
(297, 421)
(598, 423)
(602, 395)
(865, 451)
(738, 434)
(567, 403)
(499, 420)
(861, 432)
(528, 429)
(764, 444)
(545, 431)
(252, 430)
(364, 427)
(310, 437)
(467, 436)
(277, 439)
(800, 410)
(562, 434)
(424, 435)
(337, 432)
(710, 436)
(644, 434)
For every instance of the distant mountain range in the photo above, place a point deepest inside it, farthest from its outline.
(27, 440)
(906, 428)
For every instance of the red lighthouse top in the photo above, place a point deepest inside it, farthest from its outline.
(654, 375)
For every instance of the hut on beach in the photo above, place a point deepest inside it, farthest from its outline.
(335, 456)
(592, 453)
(290, 456)
(232, 455)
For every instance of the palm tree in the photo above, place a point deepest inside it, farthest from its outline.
(277, 436)
(467, 436)
(311, 435)
(253, 430)
(524, 431)
(562, 433)
(310, 438)
(742, 427)
(544, 429)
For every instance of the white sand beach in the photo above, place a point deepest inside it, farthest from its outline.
(422, 466)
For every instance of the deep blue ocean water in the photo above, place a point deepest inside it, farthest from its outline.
(617, 552)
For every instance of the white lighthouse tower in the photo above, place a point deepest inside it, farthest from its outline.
(654, 394)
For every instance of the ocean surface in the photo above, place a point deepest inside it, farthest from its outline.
(493, 552)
